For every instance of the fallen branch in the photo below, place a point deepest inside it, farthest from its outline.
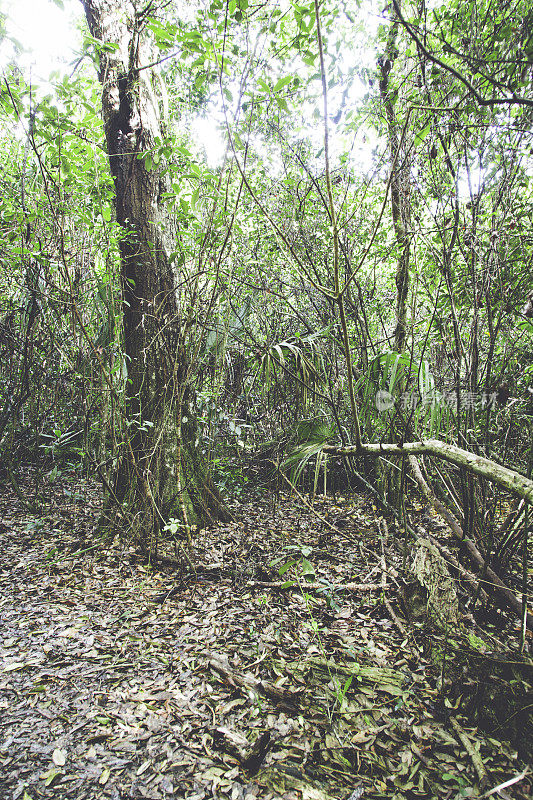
(346, 587)
(284, 699)
(484, 467)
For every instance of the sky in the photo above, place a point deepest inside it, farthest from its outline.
(47, 33)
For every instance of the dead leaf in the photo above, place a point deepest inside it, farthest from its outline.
(59, 757)
(104, 776)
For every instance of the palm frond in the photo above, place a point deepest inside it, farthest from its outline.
(311, 437)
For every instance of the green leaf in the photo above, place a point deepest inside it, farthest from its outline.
(282, 82)
(283, 569)
(421, 135)
(307, 568)
(50, 776)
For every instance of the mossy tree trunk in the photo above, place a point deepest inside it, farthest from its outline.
(161, 474)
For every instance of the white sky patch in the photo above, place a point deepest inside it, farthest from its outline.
(208, 134)
(46, 32)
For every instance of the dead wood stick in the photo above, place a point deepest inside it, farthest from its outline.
(505, 785)
(281, 697)
(347, 587)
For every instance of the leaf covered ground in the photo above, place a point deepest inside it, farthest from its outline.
(120, 679)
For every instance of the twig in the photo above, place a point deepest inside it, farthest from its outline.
(347, 587)
(520, 777)
(472, 752)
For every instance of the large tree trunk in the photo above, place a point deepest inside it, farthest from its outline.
(161, 474)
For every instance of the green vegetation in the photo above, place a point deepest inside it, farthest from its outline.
(331, 294)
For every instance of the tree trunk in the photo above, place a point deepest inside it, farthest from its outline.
(400, 195)
(391, 479)
(161, 474)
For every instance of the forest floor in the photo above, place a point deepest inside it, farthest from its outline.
(120, 679)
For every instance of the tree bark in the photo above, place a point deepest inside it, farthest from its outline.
(391, 480)
(161, 474)
(399, 186)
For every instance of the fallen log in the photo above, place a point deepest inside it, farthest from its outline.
(484, 467)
